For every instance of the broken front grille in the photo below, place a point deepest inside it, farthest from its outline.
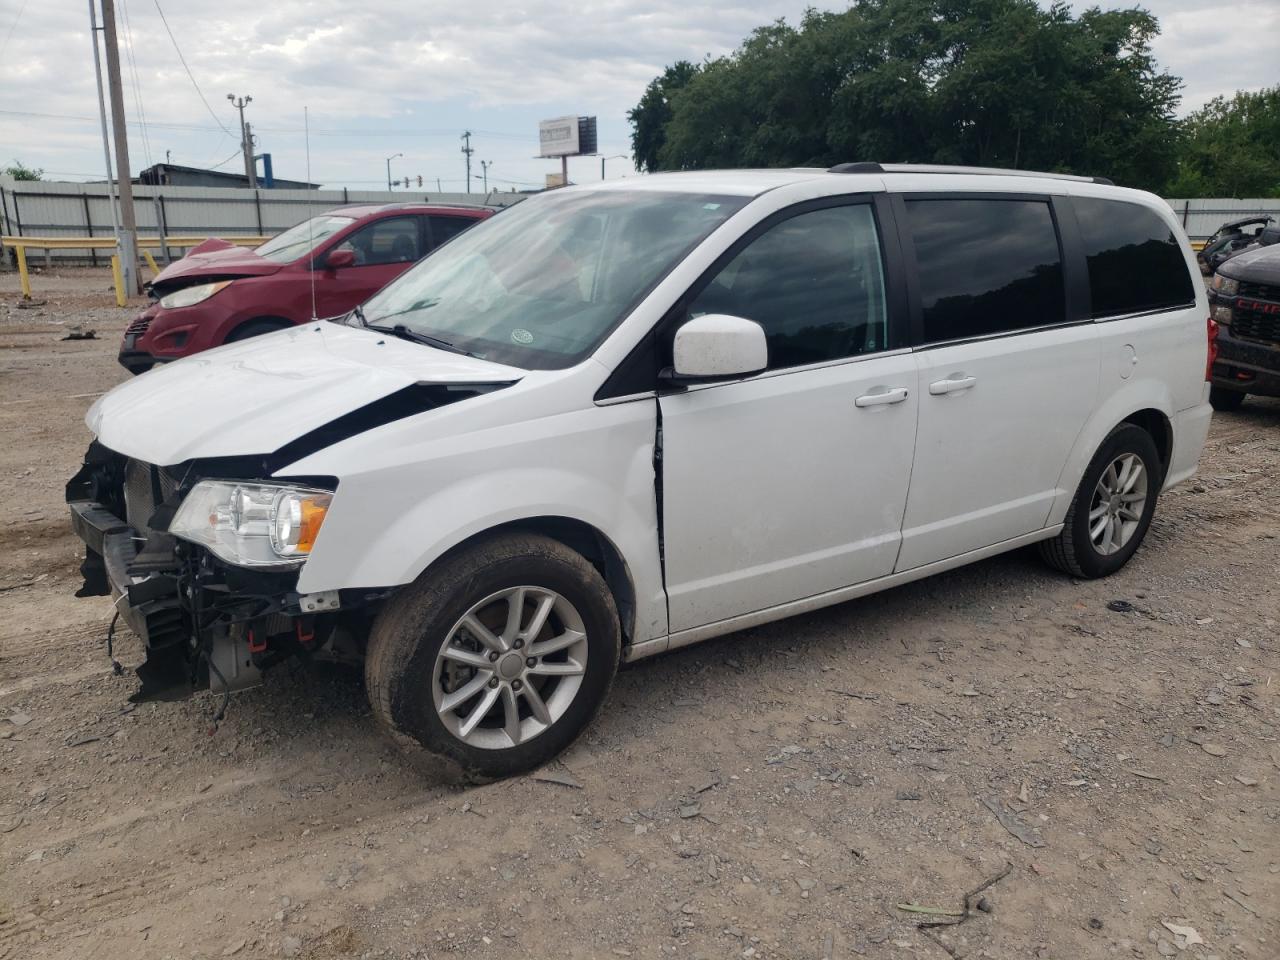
(145, 488)
(139, 326)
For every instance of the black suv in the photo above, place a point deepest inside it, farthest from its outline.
(1245, 296)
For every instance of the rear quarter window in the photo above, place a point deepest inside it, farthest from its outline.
(1135, 261)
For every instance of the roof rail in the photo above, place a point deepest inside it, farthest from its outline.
(858, 166)
(870, 166)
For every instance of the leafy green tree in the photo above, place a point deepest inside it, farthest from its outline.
(650, 116)
(19, 171)
(982, 82)
(1231, 148)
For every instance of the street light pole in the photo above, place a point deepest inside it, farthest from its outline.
(484, 169)
(616, 156)
(246, 142)
(389, 159)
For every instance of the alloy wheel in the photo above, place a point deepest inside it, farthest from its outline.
(510, 667)
(1118, 503)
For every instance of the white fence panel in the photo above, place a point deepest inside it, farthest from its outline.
(52, 209)
(1200, 218)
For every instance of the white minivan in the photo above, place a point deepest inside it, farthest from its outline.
(622, 418)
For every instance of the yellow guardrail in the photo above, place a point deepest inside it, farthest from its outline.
(145, 244)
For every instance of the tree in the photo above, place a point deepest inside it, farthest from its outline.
(650, 116)
(981, 82)
(1231, 148)
(20, 172)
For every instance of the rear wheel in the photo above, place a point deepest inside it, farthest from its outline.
(1112, 509)
(256, 328)
(498, 657)
(1226, 400)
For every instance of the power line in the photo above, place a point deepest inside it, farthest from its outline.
(223, 163)
(335, 132)
(190, 75)
(137, 86)
(13, 26)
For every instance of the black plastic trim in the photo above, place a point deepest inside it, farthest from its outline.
(407, 402)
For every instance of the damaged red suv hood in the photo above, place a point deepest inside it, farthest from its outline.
(212, 260)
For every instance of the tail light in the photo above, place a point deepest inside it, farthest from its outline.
(1211, 331)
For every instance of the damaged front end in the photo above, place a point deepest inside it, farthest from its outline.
(206, 623)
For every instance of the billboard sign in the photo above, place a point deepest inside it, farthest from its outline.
(558, 137)
(567, 137)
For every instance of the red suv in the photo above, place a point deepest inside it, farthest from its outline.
(220, 293)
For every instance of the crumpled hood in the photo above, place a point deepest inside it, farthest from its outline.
(255, 396)
(211, 261)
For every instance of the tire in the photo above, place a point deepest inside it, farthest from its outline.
(1075, 550)
(256, 328)
(409, 680)
(1226, 400)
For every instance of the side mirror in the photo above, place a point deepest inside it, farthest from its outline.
(338, 259)
(717, 346)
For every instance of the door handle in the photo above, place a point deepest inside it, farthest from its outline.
(874, 399)
(952, 385)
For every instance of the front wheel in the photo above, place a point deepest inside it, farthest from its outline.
(256, 328)
(498, 657)
(1112, 509)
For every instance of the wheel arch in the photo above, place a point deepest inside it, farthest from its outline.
(582, 538)
(1160, 429)
(280, 323)
(1146, 404)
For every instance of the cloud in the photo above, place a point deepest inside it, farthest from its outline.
(383, 77)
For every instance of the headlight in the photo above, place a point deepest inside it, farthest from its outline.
(1225, 285)
(252, 524)
(190, 296)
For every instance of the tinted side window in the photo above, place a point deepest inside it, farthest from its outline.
(1135, 261)
(446, 228)
(815, 283)
(986, 266)
(394, 240)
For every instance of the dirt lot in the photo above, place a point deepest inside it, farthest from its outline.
(772, 794)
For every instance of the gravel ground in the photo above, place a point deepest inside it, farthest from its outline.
(774, 794)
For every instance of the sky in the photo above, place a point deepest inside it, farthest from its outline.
(382, 77)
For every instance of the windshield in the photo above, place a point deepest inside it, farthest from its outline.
(303, 238)
(541, 284)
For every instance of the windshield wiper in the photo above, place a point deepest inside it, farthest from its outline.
(413, 336)
(358, 313)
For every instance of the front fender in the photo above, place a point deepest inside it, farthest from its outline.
(390, 522)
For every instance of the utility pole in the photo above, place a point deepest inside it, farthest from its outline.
(468, 150)
(246, 142)
(102, 111)
(253, 161)
(128, 221)
(389, 159)
(484, 167)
